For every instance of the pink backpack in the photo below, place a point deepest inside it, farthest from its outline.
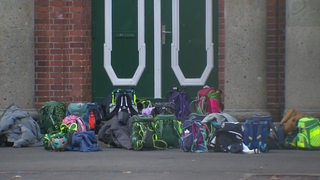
(208, 101)
(73, 119)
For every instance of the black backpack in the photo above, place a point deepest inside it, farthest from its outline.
(163, 108)
(229, 138)
(95, 110)
(119, 100)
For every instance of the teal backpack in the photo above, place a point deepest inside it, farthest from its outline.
(55, 141)
(79, 109)
(51, 116)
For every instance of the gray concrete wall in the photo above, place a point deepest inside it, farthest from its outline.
(245, 57)
(17, 53)
(302, 73)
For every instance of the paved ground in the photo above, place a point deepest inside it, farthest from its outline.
(118, 164)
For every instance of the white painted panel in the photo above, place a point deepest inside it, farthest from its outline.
(108, 46)
(175, 46)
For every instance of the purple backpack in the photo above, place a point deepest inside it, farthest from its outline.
(182, 101)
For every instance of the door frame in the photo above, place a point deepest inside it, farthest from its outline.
(98, 52)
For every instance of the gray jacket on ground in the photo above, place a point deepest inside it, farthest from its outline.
(20, 128)
(116, 132)
(219, 118)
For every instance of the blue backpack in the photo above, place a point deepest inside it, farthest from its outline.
(195, 135)
(256, 132)
(182, 101)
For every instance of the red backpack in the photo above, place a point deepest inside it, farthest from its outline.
(208, 101)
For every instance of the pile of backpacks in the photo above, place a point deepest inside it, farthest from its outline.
(297, 130)
(124, 120)
(69, 128)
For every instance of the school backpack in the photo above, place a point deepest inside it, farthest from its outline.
(59, 140)
(168, 128)
(308, 133)
(256, 132)
(163, 108)
(286, 141)
(55, 141)
(195, 135)
(95, 116)
(75, 121)
(143, 104)
(208, 100)
(120, 100)
(79, 109)
(229, 138)
(143, 134)
(182, 101)
(51, 115)
(214, 122)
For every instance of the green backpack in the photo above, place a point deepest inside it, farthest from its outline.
(143, 135)
(308, 135)
(168, 128)
(57, 141)
(51, 116)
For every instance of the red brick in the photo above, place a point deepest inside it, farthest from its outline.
(58, 3)
(275, 59)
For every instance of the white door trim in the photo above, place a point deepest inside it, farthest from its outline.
(175, 46)
(157, 50)
(108, 46)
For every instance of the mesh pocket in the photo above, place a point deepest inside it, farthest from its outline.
(315, 136)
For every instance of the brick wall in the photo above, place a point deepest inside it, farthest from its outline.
(62, 50)
(275, 57)
(221, 38)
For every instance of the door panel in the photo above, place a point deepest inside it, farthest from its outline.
(153, 46)
(124, 38)
(191, 49)
(192, 34)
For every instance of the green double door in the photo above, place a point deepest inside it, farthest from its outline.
(153, 46)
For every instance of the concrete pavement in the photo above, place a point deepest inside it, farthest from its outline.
(35, 163)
